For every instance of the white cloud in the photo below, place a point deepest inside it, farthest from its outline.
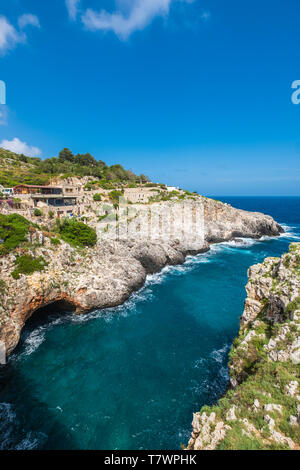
(28, 20)
(72, 6)
(18, 146)
(10, 37)
(130, 16)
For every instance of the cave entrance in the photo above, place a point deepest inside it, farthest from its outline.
(42, 318)
(48, 313)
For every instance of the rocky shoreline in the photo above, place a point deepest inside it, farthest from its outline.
(261, 410)
(106, 275)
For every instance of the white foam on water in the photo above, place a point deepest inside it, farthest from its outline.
(199, 362)
(244, 242)
(199, 387)
(7, 414)
(7, 418)
(36, 337)
(220, 354)
(8, 428)
(34, 340)
(191, 262)
(31, 441)
(111, 313)
(289, 232)
(177, 270)
(145, 294)
(224, 373)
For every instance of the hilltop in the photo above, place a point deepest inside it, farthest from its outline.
(20, 169)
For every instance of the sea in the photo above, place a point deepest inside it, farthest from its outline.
(131, 377)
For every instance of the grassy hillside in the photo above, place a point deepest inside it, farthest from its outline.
(16, 169)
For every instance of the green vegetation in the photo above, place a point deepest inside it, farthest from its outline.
(267, 385)
(13, 231)
(77, 233)
(27, 264)
(97, 197)
(168, 196)
(292, 306)
(37, 213)
(20, 169)
(260, 379)
(55, 241)
(115, 196)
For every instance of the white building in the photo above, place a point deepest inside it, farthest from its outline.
(6, 191)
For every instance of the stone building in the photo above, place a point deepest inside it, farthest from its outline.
(140, 195)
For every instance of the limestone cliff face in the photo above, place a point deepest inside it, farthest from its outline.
(106, 275)
(262, 408)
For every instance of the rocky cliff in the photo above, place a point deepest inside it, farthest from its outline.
(106, 275)
(261, 410)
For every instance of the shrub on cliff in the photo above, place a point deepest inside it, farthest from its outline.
(115, 196)
(55, 241)
(77, 233)
(13, 231)
(97, 197)
(37, 213)
(26, 264)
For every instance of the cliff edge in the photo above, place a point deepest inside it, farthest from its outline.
(261, 410)
(104, 275)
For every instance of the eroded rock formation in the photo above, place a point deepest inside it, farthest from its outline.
(106, 275)
(261, 410)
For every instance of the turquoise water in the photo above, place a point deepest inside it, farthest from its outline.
(131, 377)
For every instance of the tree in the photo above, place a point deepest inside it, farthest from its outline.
(143, 179)
(85, 159)
(102, 164)
(66, 155)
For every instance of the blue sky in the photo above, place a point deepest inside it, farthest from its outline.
(191, 93)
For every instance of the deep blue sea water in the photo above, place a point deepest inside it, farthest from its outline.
(131, 377)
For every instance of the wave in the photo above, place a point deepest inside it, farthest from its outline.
(224, 374)
(240, 242)
(290, 231)
(220, 355)
(199, 362)
(110, 313)
(31, 441)
(146, 293)
(37, 337)
(33, 340)
(10, 436)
